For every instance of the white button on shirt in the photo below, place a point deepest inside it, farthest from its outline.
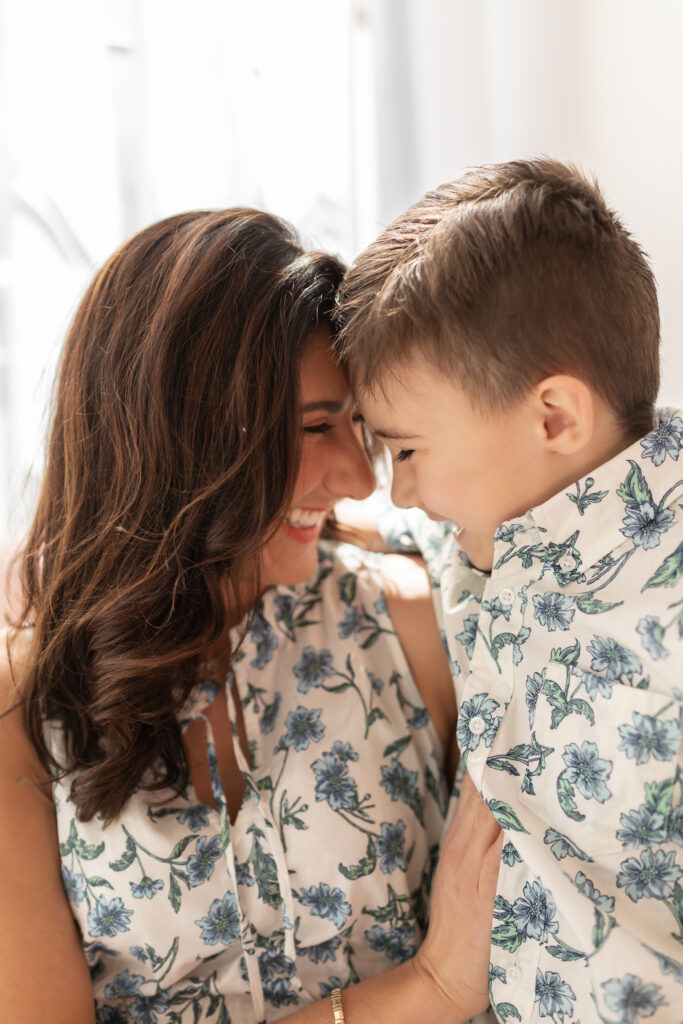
(477, 725)
(576, 689)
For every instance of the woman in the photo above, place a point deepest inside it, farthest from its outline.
(218, 762)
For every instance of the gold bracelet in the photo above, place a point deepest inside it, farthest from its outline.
(337, 1008)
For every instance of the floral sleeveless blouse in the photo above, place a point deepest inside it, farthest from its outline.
(323, 879)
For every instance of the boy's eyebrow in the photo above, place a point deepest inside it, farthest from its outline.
(392, 435)
(326, 406)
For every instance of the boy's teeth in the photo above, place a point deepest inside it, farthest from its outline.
(301, 517)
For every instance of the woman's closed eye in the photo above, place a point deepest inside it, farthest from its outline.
(404, 454)
(318, 428)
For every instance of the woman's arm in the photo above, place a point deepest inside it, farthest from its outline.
(43, 973)
(409, 600)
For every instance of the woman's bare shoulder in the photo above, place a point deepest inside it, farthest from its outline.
(18, 756)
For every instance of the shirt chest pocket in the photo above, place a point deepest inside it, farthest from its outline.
(600, 773)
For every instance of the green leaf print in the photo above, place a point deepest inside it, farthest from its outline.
(265, 871)
(398, 746)
(98, 880)
(658, 796)
(180, 846)
(669, 572)
(566, 655)
(507, 936)
(634, 490)
(506, 1011)
(590, 605)
(365, 866)
(564, 952)
(66, 847)
(565, 793)
(505, 816)
(347, 587)
(174, 895)
(126, 859)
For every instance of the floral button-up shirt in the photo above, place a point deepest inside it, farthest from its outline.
(568, 667)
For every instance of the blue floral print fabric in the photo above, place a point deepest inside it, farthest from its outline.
(324, 877)
(568, 666)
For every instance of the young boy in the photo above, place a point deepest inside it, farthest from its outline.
(503, 338)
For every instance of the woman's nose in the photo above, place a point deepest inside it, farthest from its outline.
(351, 475)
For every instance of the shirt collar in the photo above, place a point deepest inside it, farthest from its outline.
(625, 497)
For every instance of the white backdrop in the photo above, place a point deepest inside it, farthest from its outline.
(334, 113)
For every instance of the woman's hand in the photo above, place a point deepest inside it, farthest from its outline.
(456, 951)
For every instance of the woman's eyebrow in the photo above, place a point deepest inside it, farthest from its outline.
(326, 406)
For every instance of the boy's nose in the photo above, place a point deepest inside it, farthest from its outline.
(403, 490)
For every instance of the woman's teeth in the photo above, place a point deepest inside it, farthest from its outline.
(301, 518)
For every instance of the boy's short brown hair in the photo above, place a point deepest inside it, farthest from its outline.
(512, 273)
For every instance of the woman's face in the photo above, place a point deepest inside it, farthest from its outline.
(334, 465)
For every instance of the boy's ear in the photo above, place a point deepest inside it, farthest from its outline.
(565, 413)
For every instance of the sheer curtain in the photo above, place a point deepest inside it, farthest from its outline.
(336, 115)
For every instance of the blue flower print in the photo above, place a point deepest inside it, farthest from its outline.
(124, 986)
(108, 918)
(650, 878)
(479, 707)
(200, 864)
(243, 873)
(534, 685)
(594, 684)
(399, 782)
(313, 668)
(642, 827)
(586, 888)
(196, 818)
(261, 634)
(553, 995)
(110, 1015)
(587, 771)
(469, 634)
(645, 523)
(394, 942)
(144, 1009)
(147, 887)
(391, 847)
(278, 992)
(631, 999)
(612, 658)
(505, 533)
(665, 439)
(344, 751)
(509, 855)
(284, 603)
(222, 923)
(380, 606)
(328, 987)
(652, 632)
(648, 737)
(333, 782)
(326, 902)
(496, 608)
(303, 727)
(74, 885)
(139, 953)
(534, 912)
(554, 611)
(350, 625)
(322, 952)
(375, 682)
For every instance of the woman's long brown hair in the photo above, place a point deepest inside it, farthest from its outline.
(172, 455)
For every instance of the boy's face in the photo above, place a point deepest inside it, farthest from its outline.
(455, 461)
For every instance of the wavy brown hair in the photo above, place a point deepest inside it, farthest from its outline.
(172, 455)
